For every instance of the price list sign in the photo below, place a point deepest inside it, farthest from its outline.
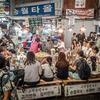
(35, 21)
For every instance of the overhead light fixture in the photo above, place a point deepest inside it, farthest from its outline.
(60, 30)
(16, 28)
(25, 31)
(83, 29)
(70, 29)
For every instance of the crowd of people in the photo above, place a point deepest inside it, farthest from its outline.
(76, 62)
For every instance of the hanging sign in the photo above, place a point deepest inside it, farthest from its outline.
(80, 3)
(80, 13)
(35, 21)
(43, 9)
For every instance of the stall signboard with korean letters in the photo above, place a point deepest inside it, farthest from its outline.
(81, 89)
(36, 10)
(39, 92)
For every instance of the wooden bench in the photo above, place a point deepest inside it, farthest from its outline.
(44, 83)
(66, 82)
(54, 88)
(94, 79)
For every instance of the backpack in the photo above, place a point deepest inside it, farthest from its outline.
(83, 69)
(3, 80)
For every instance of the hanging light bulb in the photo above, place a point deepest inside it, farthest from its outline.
(25, 31)
(70, 29)
(60, 30)
(83, 29)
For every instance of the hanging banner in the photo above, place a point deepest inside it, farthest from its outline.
(80, 13)
(43, 9)
(80, 3)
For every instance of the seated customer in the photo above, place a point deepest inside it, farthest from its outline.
(80, 67)
(6, 54)
(62, 66)
(48, 70)
(32, 70)
(94, 58)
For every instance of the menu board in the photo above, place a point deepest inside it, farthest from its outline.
(35, 21)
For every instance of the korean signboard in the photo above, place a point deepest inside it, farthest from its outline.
(39, 92)
(79, 89)
(35, 21)
(43, 9)
(80, 13)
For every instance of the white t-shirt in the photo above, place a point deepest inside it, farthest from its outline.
(84, 49)
(88, 52)
(61, 45)
(32, 72)
(48, 72)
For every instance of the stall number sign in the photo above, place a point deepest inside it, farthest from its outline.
(39, 92)
(72, 90)
(44, 9)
